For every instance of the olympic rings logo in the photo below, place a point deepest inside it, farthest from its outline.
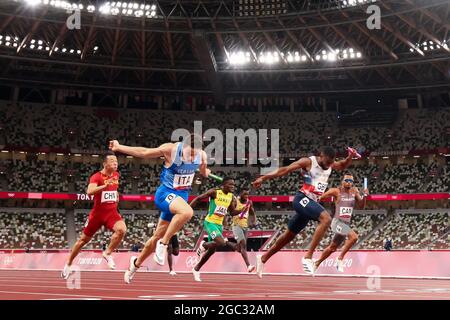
(191, 261)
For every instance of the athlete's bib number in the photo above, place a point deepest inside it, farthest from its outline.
(321, 187)
(221, 211)
(109, 196)
(345, 212)
(182, 181)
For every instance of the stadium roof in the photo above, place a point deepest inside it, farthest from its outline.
(222, 47)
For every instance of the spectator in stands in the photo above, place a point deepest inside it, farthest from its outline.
(135, 247)
(388, 244)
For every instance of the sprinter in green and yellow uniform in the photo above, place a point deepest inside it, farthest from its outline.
(221, 202)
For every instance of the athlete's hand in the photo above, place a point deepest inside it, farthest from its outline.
(114, 145)
(257, 183)
(366, 192)
(353, 153)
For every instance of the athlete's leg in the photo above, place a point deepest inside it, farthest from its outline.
(169, 256)
(205, 258)
(119, 232)
(283, 240)
(150, 245)
(324, 224)
(243, 249)
(351, 240)
(81, 242)
(182, 212)
(328, 251)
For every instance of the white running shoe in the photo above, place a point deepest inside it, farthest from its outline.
(65, 273)
(109, 259)
(160, 253)
(259, 266)
(172, 273)
(129, 274)
(201, 250)
(251, 268)
(340, 265)
(308, 265)
(196, 275)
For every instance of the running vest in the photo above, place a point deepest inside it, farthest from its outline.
(180, 174)
(218, 207)
(344, 206)
(315, 181)
(242, 218)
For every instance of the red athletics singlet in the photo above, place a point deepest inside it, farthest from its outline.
(105, 211)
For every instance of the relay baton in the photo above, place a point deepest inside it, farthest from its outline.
(213, 176)
(365, 186)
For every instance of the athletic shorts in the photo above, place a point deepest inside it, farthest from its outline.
(239, 233)
(98, 219)
(306, 209)
(164, 197)
(213, 230)
(340, 229)
(174, 242)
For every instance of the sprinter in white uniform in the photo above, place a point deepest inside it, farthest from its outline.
(316, 171)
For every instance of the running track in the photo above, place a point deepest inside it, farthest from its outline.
(15, 284)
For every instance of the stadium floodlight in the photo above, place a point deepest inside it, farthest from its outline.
(153, 13)
(7, 43)
(78, 51)
(45, 2)
(47, 48)
(15, 45)
(33, 2)
(7, 38)
(40, 42)
(95, 48)
(304, 58)
(115, 11)
(239, 58)
(56, 49)
(72, 51)
(91, 8)
(358, 55)
(32, 46)
(40, 48)
(64, 50)
(153, 7)
(290, 58)
(318, 57)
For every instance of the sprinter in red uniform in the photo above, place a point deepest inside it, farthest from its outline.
(103, 185)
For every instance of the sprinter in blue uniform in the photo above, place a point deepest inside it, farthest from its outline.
(182, 159)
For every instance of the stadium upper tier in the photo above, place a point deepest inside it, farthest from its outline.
(42, 126)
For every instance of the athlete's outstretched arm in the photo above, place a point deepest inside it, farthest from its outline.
(344, 164)
(204, 171)
(332, 192)
(302, 163)
(208, 194)
(163, 150)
